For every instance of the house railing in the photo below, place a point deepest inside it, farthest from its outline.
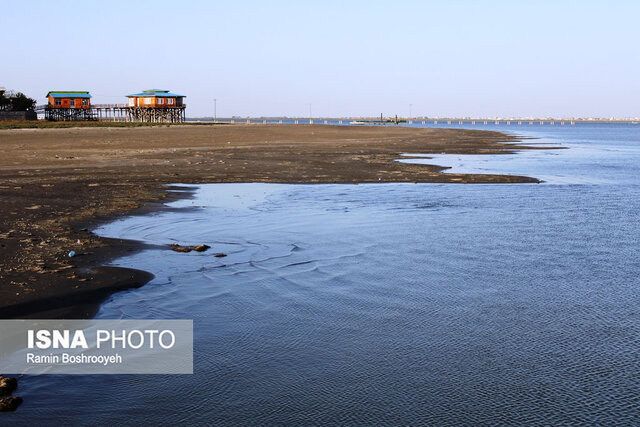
(158, 106)
(41, 108)
(109, 106)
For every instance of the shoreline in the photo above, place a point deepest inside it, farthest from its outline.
(59, 203)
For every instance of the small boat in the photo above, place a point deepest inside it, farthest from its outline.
(357, 122)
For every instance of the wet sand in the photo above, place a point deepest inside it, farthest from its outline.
(55, 184)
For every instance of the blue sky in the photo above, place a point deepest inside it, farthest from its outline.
(346, 58)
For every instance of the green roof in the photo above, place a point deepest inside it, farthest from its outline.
(69, 94)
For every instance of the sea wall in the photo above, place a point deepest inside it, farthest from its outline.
(18, 115)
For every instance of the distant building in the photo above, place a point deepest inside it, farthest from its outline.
(69, 99)
(153, 105)
(68, 105)
(155, 98)
(156, 105)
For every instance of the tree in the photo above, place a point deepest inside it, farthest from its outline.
(21, 102)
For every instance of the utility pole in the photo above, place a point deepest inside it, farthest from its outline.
(410, 107)
(310, 116)
(215, 110)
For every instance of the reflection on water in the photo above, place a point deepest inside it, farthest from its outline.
(388, 303)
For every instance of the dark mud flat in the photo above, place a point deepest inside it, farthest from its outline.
(55, 184)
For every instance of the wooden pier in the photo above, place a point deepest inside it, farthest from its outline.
(110, 112)
(66, 114)
(151, 106)
(115, 113)
(156, 114)
(126, 113)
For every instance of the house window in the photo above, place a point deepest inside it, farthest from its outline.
(170, 101)
(72, 103)
(160, 101)
(85, 102)
(132, 102)
(147, 101)
(57, 101)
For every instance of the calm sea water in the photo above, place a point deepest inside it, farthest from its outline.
(376, 304)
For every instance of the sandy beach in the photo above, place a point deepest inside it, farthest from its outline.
(57, 183)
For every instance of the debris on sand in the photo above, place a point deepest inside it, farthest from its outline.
(7, 385)
(179, 248)
(10, 404)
